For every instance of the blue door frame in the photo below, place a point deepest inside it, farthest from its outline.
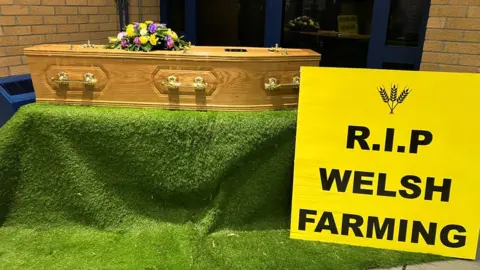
(379, 52)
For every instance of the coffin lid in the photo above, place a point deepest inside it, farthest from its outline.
(195, 53)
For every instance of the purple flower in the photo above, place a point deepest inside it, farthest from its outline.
(125, 43)
(169, 43)
(137, 41)
(152, 28)
(163, 25)
(136, 25)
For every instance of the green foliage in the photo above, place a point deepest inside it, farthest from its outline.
(117, 188)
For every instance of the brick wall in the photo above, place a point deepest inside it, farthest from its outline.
(452, 41)
(24, 23)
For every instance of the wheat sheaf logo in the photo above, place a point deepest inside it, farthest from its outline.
(393, 100)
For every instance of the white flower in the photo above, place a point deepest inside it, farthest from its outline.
(143, 32)
(120, 36)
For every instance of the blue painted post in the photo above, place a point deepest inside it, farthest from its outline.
(191, 21)
(10, 103)
(273, 22)
(164, 8)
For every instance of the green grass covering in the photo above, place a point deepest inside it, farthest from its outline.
(104, 188)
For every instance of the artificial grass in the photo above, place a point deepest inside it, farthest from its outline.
(117, 188)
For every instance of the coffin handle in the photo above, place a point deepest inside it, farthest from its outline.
(63, 79)
(273, 84)
(198, 83)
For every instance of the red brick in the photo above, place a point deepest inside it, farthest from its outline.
(8, 41)
(108, 26)
(6, 2)
(15, 50)
(428, 67)
(89, 27)
(24, 59)
(14, 10)
(465, 2)
(98, 18)
(436, 22)
(113, 18)
(4, 72)
(2, 52)
(57, 38)
(77, 2)
(10, 61)
(29, 20)
(79, 36)
(434, 46)
(87, 10)
(44, 29)
(55, 19)
(463, 23)
(78, 19)
(19, 70)
(450, 68)
(448, 11)
(150, 3)
(474, 12)
(7, 20)
(40, 10)
(440, 58)
(16, 30)
(444, 34)
(470, 60)
(53, 2)
(99, 35)
(66, 10)
(457, 47)
(27, 2)
(97, 2)
(107, 10)
(439, 2)
(31, 40)
(472, 36)
(67, 28)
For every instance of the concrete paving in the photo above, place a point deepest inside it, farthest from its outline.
(446, 265)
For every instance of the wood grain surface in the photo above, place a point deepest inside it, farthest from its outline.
(236, 80)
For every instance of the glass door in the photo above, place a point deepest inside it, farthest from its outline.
(338, 29)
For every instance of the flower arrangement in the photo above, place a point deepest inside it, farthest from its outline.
(146, 37)
(303, 23)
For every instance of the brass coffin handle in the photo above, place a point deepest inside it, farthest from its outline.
(273, 84)
(63, 79)
(198, 83)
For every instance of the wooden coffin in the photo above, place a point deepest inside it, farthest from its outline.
(202, 78)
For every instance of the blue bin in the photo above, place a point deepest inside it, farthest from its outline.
(15, 91)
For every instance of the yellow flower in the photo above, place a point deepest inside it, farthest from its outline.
(174, 36)
(112, 40)
(130, 32)
(143, 39)
(130, 26)
(311, 22)
(169, 31)
(143, 26)
(149, 22)
(153, 40)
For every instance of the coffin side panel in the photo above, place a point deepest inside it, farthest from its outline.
(238, 86)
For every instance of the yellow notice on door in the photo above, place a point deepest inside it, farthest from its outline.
(388, 159)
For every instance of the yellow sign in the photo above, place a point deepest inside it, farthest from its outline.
(347, 24)
(388, 159)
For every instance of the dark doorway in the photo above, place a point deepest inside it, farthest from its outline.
(231, 22)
